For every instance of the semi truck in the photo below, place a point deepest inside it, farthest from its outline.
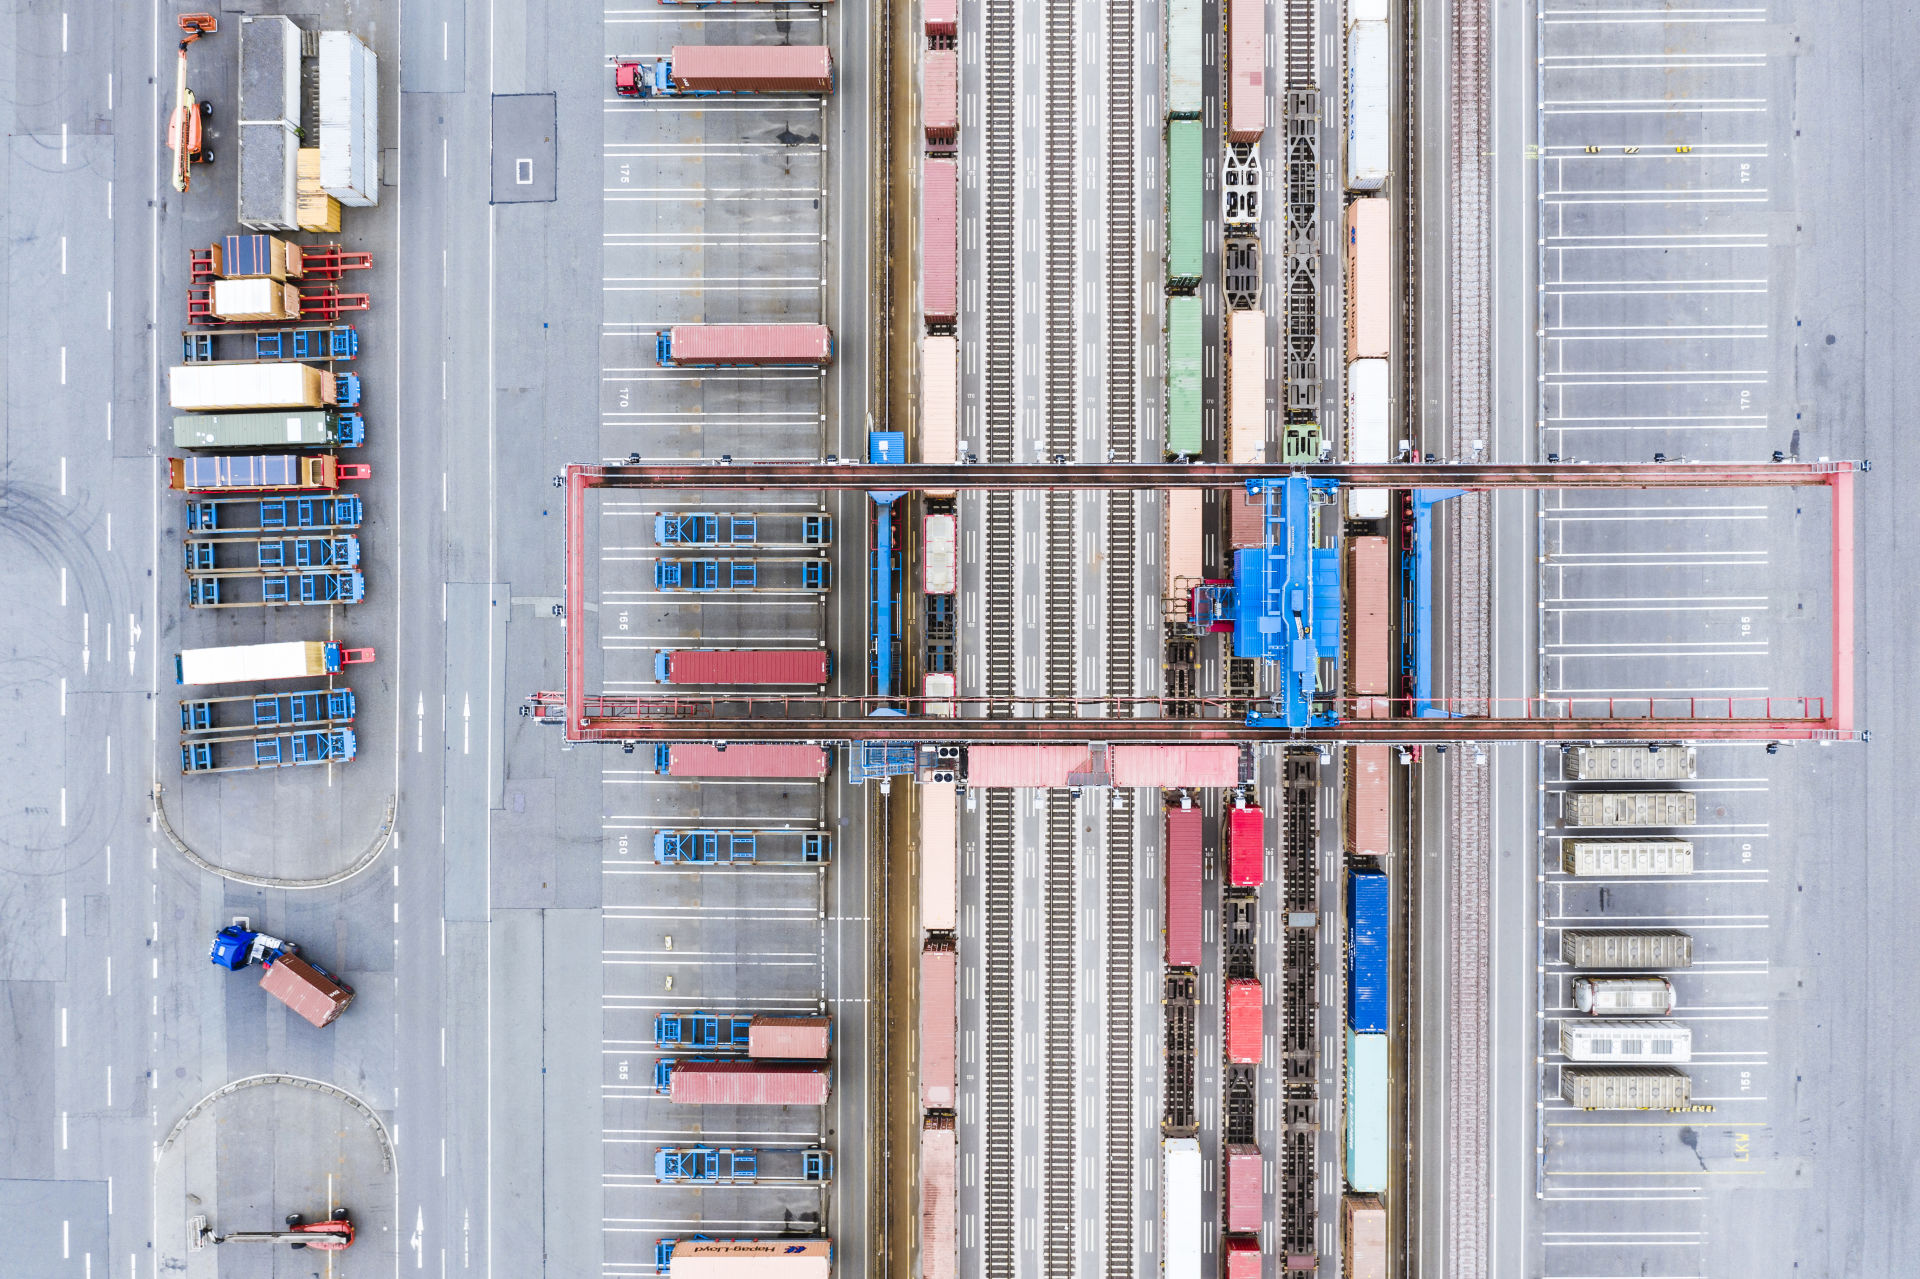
(1632, 996)
(710, 70)
(784, 1258)
(271, 384)
(1630, 808)
(257, 663)
(262, 473)
(1627, 948)
(740, 1082)
(1625, 1088)
(742, 666)
(299, 983)
(238, 516)
(300, 429)
(719, 346)
(1626, 857)
(1629, 763)
(284, 748)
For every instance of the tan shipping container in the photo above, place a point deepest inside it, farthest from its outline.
(208, 388)
(1648, 1088)
(318, 213)
(1365, 1224)
(1630, 808)
(255, 299)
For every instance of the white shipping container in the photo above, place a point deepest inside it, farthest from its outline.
(1627, 857)
(939, 398)
(349, 119)
(1368, 405)
(1183, 57)
(1630, 996)
(1181, 1215)
(940, 688)
(941, 553)
(269, 177)
(1629, 764)
(1367, 112)
(1366, 11)
(1627, 1043)
(251, 299)
(274, 385)
(1247, 387)
(269, 71)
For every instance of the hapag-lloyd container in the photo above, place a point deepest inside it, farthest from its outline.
(939, 250)
(782, 1258)
(349, 119)
(753, 68)
(1369, 296)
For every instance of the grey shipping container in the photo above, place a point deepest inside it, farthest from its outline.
(1628, 764)
(349, 119)
(310, 428)
(1627, 948)
(1630, 808)
(269, 171)
(269, 71)
(1632, 1088)
(1626, 857)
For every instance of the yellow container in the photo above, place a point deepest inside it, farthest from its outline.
(318, 213)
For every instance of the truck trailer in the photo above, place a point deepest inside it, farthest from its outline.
(282, 748)
(258, 663)
(239, 516)
(742, 666)
(740, 1082)
(302, 985)
(1626, 948)
(710, 70)
(720, 346)
(783, 1258)
(261, 473)
(312, 708)
(294, 429)
(272, 384)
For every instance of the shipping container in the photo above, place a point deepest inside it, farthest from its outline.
(1247, 387)
(942, 17)
(1184, 561)
(269, 71)
(801, 1038)
(1246, 846)
(1623, 996)
(1242, 1258)
(310, 990)
(742, 666)
(268, 182)
(1369, 801)
(940, 101)
(1366, 10)
(255, 300)
(1369, 411)
(1180, 1215)
(939, 249)
(939, 688)
(939, 399)
(1185, 35)
(1369, 917)
(1183, 376)
(752, 68)
(1366, 1144)
(1244, 1032)
(317, 211)
(1246, 518)
(1626, 857)
(1630, 808)
(297, 429)
(1652, 1041)
(782, 1258)
(1184, 856)
(271, 385)
(937, 993)
(243, 257)
(349, 119)
(939, 555)
(1628, 763)
(254, 473)
(1245, 1198)
(1643, 1088)
(746, 1083)
(256, 663)
(1369, 280)
(1186, 202)
(939, 864)
(1368, 109)
(1363, 1223)
(1173, 767)
(722, 346)
(938, 1194)
(1247, 86)
(797, 760)
(1626, 948)
(1372, 597)
(1032, 766)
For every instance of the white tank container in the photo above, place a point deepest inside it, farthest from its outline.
(1623, 996)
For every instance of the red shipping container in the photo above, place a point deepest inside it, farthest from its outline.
(314, 994)
(1245, 1195)
(942, 17)
(1027, 765)
(747, 666)
(937, 1177)
(937, 976)
(1174, 766)
(748, 1083)
(1370, 601)
(1369, 296)
(1247, 91)
(1369, 796)
(753, 68)
(1246, 519)
(1243, 1259)
(802, 1037)
(747, 759)
(939, 249)
(750, 344)
(1246, 847)
(940, 102)
(1243, 1013)
(1183, 887)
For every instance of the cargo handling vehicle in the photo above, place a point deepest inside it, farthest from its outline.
(714, 70)
(186, 127)
(299, 983)
(335, 1234)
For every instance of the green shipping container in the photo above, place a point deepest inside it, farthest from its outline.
(294, 428)
(1183, 57)
(1183, 376)
(1186, 193)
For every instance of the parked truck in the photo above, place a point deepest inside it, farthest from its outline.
(1626, 857)
(1630, 808)
(259, 663)
(299, 983)
(1625, 1088)
(1628, 763)
(742, 666)
(262, 473)
(741, 1082)
(297, 429)
(1626, 948)
(719, 346)
(1628, 996)
(709, 70)
(782, 1258)
(271, 384)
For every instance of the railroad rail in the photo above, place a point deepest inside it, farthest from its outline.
(1120, 1119)
(1061, 1084)
(999, 1236)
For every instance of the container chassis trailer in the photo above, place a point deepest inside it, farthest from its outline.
(732, 1165)
(285, 749)
(700, 1030)
(298, 587)
(706, 528)
(703, 576)
(323, 342)
(723, 847)
(240, 516)
(311, 708)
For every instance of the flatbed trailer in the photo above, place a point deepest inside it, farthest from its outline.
(252, 556)
(262, 473)
(710, 1165)
(310, 708)
(288, 749)
(323, 302)
(323, 342)
(239, 516)
(707, 528)
(272, 589)
(732, 847)
(739, 575)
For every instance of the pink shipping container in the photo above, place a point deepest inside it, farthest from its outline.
(1369, 798)
(1242, 1017)
(939, 867)
(748, 344)
(1247, 387)
(937, 975)
(939, 251)
(1175, 766)
(1186, 549)
(1183, 887)
(1369, 294)
(753, 68)
(1246, 847)
(1371, 598)
(1247, 89)
(746, 759)
(937, 1177)
(1245, 1195)
(785, 1258)
(1366, 1233)
(942, 17)
(1021, 766)
(1242, 1259)
(806, 1038)
(748, 1083)
(1246, 519)
(939, 399)
(940, 103)
(747, 666)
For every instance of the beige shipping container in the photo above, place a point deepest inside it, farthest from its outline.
(1641, 948)
(939, 403)
(1247, 387)
(307, 170)
(1626, 857)
(1628, 764)
(1185, 562)
(1365, 1255)
(211, 388)
(255, 299)
(1630, 808)
(751, 1259)
(1604, 1088)
(317, 212)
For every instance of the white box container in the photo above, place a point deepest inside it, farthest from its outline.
(269, 169)
(1368, 81)
(349, 119)
(1368, 404)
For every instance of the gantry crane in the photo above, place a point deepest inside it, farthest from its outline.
(186, 131)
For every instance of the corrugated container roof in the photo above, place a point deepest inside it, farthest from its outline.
(268, 182)
(748, 1083)
(1369, 287)
(1246, 519)
(939, 250)
(748, 759)
(1243, 1029)
(1175, 766)
(269, 71)
(937, 975)
(785, 343)
(1185, 560)
(939, 819)
(937, 1201)
(1371, 597)
(940, 103)
(1247, 387)
(315, 996)
(1186, 199)
(1183, 57)
(940, 554)
(1183, 376)
(1367, 111)
(1368, 920)
(1366, 1112)
(940, 16)
(751, 1259)
(1246, 1197)
(1247, 92)
(1022, 766)
(939, 398)
(753, 68)
(801, 1038)
(748, 666)
(1243, 1259)
(1246, 846)
(1366, 1223)
(1369, 801)
(1184, 855)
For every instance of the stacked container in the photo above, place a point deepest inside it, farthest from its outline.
(269, 123)
(349, 119)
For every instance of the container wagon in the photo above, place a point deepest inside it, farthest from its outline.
(1247, 387)
(1630, 808)
(939, 401)
(1367, 106)
(1186, 199)
(939, 866)
(700, 1081)
(1368, 920)
(705, 70)
(1372, 593)
(723, 346)
(1184, 41)
(939, 555)
(1363, 1223)
(940, 99)
(742, 666)
(1627, 1043)
(1183, 376)
(938, 1195)
(260, 473)
(1635, 1088)
(742, 759)
(1623, 996)
(782, 1258)
(294, 429)
(1366, 1145)
(1246, 846)
(1183, 875)
(1626, 857)
(939, 244)
(1369, 801)
(1628, 763)
(1184, 561)
(1172, 767)
(1369, 284)
(1247, 70)
(271, 384)
(1244, 1037)
(1368, 411)
(1180, 1214)
(937, 976)
(1245, 1200)
(1627, 948)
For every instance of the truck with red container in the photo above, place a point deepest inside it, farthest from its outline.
(698, 760)
(766, 346)
(707, 70)
(742, 665)
(1246, 846)
(1243, 1203)
(704, 1081)
(1244, 1036)
(937, 976)
(1183, 878)
(799, 1038)
(939, 245)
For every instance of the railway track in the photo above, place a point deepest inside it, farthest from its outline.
(1000, 410)
(1061, 652)
(1059, 1223)
(999, 1222)
(1121, 306)
(1118, 1209)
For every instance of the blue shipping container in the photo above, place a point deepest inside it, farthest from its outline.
(1366, 1113)
(1367, 921)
